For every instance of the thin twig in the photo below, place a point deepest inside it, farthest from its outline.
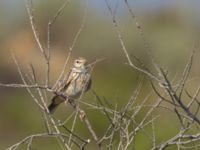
(71, 48)
(50, 24)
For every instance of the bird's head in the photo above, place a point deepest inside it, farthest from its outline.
(80, 62)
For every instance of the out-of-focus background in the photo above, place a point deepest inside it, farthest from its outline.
(171, 26)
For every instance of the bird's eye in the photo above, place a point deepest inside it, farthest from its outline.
(77, 62)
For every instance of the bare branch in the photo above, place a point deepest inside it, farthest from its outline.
(30, 10)
(50, 24)
(116, 26)
(71, 48)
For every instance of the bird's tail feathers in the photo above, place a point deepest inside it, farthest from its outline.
(54, 104)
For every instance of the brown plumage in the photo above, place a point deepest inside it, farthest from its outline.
(77, 82)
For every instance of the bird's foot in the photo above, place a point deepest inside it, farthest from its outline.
(82, 114)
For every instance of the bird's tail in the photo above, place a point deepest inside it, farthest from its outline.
(54, 104)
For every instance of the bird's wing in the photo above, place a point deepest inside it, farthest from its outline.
(89, 85)
(64, 82)
(71, 76)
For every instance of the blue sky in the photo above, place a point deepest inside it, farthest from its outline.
(15, 9)
(100, 4)
(148, 4)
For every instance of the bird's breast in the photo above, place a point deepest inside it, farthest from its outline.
(77, 85)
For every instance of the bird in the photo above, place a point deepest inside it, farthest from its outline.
(74, 84)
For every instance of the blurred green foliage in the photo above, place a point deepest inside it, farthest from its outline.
(171, 32)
